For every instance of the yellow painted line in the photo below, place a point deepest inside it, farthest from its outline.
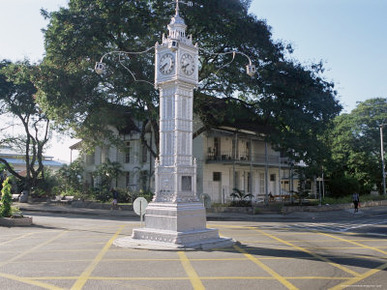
(273, 273)
(354, 280)
(15, 239)
(187, 278)
(317, 256)
(193, 276)
(29, 281)
(14, 258)
(87, 272)
(355, 243)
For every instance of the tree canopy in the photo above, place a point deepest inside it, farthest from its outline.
(294, 100)
(17, 100)
(355, 144)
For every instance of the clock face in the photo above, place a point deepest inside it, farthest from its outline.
(166, 64)
(187, 64)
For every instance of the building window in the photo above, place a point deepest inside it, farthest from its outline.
(216, 147)
(216, 176)
(143, 179)
(236, 179)
(127, 179)
(127, 152)
(272, 177)
(144, 153)
(261, 183)
(90, 159)
(249, 182)
(186, 183)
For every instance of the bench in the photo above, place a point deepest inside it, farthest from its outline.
(15, 197)
(67, 199)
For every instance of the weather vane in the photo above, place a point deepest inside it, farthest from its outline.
(188, 3)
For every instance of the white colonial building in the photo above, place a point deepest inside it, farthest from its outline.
(227, 157)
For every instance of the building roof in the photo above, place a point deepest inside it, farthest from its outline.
(16, 158)
(229, 112)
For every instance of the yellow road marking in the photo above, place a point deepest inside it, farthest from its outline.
(193, 276)
(15, 239)
(364, 275)
(277, 276)
(187, 278)
(354, 280)
(32, 249)
(29, 281)
(86, 273)
(355, 243)
(345, 269)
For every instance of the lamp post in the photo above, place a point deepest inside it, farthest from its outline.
(382, 156)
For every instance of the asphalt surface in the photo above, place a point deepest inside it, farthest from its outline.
(73, 250)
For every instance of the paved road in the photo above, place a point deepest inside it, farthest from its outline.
(293, 252)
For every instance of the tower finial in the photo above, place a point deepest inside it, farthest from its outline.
(177, 7)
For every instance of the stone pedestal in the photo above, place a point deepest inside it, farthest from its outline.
(180, 226)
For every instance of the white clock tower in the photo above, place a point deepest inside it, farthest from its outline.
(176, 218)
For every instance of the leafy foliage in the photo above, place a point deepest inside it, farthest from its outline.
(6, 199)
(70, 179)
(355, 146)
(292, 100)
(106, 173)
(17, 100)
(240, 198)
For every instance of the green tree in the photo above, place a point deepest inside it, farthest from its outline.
(355, 146)
(70, 176)
(6, 199)
(108, 172)
(17, 101)
(294, 102)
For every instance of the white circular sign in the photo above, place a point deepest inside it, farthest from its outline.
(139, 205)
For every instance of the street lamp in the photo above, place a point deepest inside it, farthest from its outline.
(382, 156)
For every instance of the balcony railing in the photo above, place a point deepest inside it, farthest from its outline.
(243, 157)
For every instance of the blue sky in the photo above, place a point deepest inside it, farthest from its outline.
(349, 36)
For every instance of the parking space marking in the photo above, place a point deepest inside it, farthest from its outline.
(367, 274)
(193, 276)
(269, 270)
(22, 254)
(29, 281)
(363, 276)
(87, 272)
(317, 256)
(355, 243)
(15, 239)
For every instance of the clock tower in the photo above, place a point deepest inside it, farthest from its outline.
(176, 218)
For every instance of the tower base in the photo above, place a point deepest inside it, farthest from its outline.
(175, 226)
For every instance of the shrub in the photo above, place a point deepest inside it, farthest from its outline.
(343, 185)
(6, 199)
(240, 198)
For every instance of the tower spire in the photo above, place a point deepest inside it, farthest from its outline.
(177, 8)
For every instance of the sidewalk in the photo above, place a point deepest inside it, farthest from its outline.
(67, 209)
(344, 212)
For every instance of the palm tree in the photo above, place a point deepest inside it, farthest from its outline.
(242, 198)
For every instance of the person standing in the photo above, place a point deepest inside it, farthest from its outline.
(115, 198)
(356, 201)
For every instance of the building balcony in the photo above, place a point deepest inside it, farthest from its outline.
(242, 158)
